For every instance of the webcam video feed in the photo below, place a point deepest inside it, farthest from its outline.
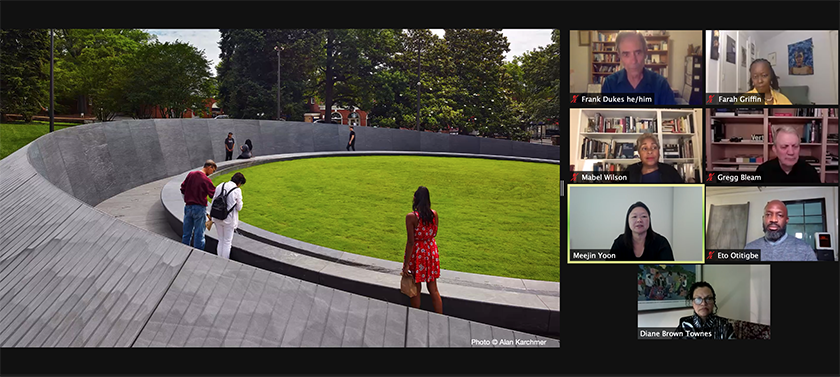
(632, 223)
(771, 67)
(636, 67)
(769, 224)
(693, 301)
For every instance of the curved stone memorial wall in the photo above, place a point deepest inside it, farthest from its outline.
(75, 276)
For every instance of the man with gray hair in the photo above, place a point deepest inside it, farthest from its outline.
(777, 245)
(787, 167)
(634, 78)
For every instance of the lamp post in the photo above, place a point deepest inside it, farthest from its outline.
(278, 49)
(52, 82)
(417, 128)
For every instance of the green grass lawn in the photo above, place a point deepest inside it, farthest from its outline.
(497, 218)
(14, 136)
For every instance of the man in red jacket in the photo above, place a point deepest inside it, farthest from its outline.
(195, 189)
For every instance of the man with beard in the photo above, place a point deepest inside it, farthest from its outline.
(777, 245)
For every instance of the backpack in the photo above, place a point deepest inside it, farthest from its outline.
(219, 208)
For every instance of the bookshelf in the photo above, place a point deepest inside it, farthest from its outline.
(597, 145)
(605, 60)
(746, 155)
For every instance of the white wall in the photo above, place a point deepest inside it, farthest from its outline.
(712, 66)
(579, 61)
(834, 54)
(574, 118)
(688, 229)
(729, 72)
(743, 293)
(758, 198)
(597, 215)
(825, 69)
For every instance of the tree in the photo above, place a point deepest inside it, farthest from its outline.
(24, 71)
(91, 64)
(247, 72)
(480, 72)
(350, 61)
(541, 81)
(173, 77)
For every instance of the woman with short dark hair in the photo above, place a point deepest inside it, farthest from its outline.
(639, 242)
(649, 169)
(704, 324)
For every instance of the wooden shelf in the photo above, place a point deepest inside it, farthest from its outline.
(793, 118)
(758, 143)
(614, 160)
(611, 133)
(676, 134)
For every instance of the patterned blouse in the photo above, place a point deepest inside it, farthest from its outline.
(694, 328)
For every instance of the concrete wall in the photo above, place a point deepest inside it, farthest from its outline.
(97, 161)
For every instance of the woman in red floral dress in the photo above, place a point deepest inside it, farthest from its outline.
(421, 253)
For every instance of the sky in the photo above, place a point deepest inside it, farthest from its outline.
(520, 40)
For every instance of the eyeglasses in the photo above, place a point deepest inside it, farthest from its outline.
(651, 149)
(700, 300)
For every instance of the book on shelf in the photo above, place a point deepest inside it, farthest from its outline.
(604, 68)
(749, 111)
(605, 58)
(628, 124)
(596, 149)
(606, 37)
(801, 112)
(682, 125)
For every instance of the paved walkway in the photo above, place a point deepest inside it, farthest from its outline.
(141, 207)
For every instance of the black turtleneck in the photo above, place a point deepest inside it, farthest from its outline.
(719, 327)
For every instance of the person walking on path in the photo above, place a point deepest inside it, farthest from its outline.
(421, 257)
(352, 142)
(195, 190)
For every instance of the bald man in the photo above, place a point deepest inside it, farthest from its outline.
(777, 245)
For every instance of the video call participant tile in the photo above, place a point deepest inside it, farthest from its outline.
(716, 302)
(633, 68)
(780, 68)
(771, 224)
(626, 224)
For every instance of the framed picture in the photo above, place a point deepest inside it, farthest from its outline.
(665, 286)
(801, 58)
(730, 50)
(585, 37)
(771, 57)
(743, 56)
(715, 53)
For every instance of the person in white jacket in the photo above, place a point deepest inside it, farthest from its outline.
(225, 228)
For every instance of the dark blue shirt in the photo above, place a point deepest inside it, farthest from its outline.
(652, 177)
(652, 82)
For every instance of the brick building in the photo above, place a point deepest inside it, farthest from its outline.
(354, 117)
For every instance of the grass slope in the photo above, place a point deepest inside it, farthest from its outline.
(496, 217)
(14, 136)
